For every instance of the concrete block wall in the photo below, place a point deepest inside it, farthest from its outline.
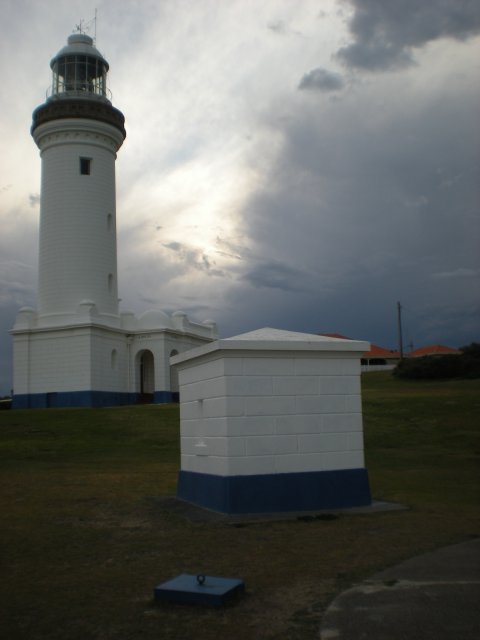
(77, 249)
(71, 359)
(180, 343)
(21, 351)
(109, 361)
(51, 361)
(271, 411)
(90, 357)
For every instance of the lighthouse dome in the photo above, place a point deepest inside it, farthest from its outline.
(79, 44)
(79, 70)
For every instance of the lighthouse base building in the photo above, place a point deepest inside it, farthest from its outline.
(76, 348)
(85, 363)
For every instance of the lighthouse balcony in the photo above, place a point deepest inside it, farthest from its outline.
(82, 90)
(57, 109)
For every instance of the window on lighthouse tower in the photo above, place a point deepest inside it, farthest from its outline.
(85, 166)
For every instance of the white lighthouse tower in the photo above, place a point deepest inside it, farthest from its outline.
(76, 349)
(78, 132)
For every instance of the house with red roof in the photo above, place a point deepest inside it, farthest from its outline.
(433, 350)
(376, 359)
(379, 359)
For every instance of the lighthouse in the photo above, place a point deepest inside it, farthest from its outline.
(78, 132)
(77, 348)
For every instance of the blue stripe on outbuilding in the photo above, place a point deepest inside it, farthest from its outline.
(270, 493)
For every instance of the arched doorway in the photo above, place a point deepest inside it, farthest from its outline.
(174, 390)
(145, 368)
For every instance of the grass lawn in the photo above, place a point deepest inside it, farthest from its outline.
(82, 545)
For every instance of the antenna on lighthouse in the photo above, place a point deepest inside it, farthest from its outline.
(79, 27)
(84, 27)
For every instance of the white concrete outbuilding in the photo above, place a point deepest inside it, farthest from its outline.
(271, 420)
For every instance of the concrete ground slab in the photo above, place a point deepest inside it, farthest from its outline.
(195, 513)
(432, 597)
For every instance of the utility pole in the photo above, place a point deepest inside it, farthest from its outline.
(399, 323)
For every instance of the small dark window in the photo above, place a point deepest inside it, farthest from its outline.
(85, 165)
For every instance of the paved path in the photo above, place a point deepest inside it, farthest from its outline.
(435, 596)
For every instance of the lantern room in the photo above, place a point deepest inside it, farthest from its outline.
(79, 70)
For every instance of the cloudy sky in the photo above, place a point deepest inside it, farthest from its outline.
(299, 164)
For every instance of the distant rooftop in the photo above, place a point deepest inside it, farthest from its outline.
(433, 350)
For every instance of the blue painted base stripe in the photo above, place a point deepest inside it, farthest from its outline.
(162, 397)
(84, 399)
(318, 490)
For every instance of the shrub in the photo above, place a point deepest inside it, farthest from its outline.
(472, 350)
(464, 365)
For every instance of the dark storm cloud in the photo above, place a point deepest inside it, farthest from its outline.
(367, 210)
(193, 258)
(276, 275)
(457, 273)
(386, 31)
(321, 80)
